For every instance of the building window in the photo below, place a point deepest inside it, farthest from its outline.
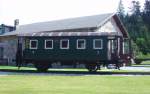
(97, 44)
(81, 44)
(48, 44)
(64, 44)
(33, 44)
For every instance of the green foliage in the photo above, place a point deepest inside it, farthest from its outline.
(136, 8)
(137, 24)
(141, 42)
(141, 56)
(146, 13)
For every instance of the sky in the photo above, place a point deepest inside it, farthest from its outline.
(31, 11)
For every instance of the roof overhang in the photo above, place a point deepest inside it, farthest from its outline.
(8, 37)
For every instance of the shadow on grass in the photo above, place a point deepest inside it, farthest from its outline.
(60, 72)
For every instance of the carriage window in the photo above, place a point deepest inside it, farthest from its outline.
(97, 44)
(33, 44)
(81, 44)
(48, 44)
(64, 44)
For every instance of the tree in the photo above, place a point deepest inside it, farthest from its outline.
(146, 19)
(141, 42)
(121, 11)
(135, 21)
(147, 6)
(146, 13)
(136, 27)
(137, 24)
(135, 10)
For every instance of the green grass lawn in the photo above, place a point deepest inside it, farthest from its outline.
(22, 84)
(40, 84)
(16, 68)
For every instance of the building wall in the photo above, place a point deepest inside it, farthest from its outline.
(9, 51)
(7, 47)
(109, 26)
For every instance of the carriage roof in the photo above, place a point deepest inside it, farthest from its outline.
(53, 34)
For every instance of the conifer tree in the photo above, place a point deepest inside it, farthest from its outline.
(121, 11)
(146, 13)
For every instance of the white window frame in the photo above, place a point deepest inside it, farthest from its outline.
(61, 43)
(36, 44)
(78, 42)
(97, 47)
(48, 47)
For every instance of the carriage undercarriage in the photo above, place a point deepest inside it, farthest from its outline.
(93, 66)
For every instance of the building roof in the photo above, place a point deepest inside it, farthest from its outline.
(5, 29)
(72, 24)
(66, 24)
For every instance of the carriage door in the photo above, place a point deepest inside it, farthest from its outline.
(112, 48)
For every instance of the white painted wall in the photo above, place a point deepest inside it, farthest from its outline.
(109, 26)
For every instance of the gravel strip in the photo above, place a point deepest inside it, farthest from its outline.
(136, 69)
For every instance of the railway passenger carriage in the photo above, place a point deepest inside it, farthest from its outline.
(92, 41)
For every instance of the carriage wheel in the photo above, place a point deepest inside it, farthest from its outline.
(42, 66)
(92, 67)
